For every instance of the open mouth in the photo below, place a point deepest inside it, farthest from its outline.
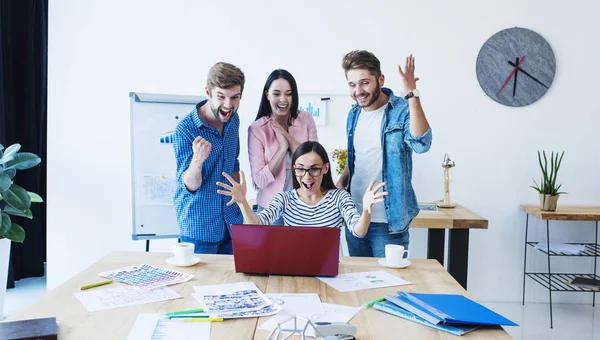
(308, 186)
(225, 113)
(282, 107)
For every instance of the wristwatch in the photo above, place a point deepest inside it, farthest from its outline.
(413, 93)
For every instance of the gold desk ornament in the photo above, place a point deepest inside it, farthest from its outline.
(447, 165)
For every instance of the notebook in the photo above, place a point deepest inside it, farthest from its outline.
(393, 309)
(283, 250)
(448, 308)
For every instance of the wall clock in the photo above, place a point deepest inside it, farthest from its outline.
(515, 66)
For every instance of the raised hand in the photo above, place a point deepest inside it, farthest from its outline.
(372, 196)
(408, 75)
(201, 148)
(237, 191)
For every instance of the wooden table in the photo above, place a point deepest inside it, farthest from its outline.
(459, 221)
(74, 322)
(557, 281)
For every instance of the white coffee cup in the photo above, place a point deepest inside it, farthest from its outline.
(394, 254)
(183, 252)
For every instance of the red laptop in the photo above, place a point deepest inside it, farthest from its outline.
(282, 250)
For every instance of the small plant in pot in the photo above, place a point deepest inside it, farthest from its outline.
(548, 190)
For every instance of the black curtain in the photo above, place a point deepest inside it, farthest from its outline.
(23, 75)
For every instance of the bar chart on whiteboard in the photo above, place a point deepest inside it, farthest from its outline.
(316, 105)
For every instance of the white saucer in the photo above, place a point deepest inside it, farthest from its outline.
(405, 263)
(171, 261)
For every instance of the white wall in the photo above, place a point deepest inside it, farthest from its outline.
(99, 51)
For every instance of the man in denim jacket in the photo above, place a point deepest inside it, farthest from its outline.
(383, 131)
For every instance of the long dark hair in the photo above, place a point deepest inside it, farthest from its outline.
(310, 146)
(264, 109)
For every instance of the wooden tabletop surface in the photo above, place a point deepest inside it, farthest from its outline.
(75, 322)
(564, 212)
(449, 218)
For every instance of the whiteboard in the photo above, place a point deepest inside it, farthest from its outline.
(153, 166)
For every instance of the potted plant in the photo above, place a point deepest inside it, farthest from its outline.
(15, 201)
(547, 188)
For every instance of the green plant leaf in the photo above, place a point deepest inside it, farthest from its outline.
(17, 197)
(15, 212)
(5, 225)
(11, 173)
(5, 181)
(5, 159)
(23, 160)
(35, 198)
(11, 150)
(15, 233)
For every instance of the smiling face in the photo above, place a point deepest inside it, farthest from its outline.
(365, 88)
(279, 96)
(224, 102)
(310, 181)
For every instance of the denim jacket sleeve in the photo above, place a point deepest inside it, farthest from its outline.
(418, 144)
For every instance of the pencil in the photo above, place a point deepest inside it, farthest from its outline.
(189, 311)
(197, 319)
(95, 285)
(370, 304)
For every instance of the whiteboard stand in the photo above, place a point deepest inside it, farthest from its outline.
(154, 117)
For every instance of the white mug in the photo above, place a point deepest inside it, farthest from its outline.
(394, 254)
(183, 252)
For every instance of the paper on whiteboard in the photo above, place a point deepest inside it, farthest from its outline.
(155, 189)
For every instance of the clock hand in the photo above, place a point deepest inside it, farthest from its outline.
(510, 75)
(529, 75)
(515, 83)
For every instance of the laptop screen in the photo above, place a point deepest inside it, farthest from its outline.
(284, 250)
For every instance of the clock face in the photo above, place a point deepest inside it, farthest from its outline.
(515, 67)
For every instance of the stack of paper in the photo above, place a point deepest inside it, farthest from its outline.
(565, 248)
(235, 300)
(157, 327)
(101, 299)
(451, 313)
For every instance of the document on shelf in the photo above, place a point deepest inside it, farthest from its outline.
(366, 280)
(153, 326)
(566, 248)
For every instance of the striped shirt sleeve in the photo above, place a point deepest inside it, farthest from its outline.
(347, 210)
(273, 210)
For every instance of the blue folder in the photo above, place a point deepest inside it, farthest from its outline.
(393, 309)
(448, 309)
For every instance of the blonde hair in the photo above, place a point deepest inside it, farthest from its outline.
(225, 76)
(360, 59)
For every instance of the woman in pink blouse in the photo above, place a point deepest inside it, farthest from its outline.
(275, 134)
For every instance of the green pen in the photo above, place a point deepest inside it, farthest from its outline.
(370, 304)
(189, 311)
(95, 285)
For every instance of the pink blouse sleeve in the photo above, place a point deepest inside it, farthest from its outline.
(259, 167)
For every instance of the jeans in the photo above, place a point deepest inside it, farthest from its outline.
(373, 244)
(221, 247)
(278, 221)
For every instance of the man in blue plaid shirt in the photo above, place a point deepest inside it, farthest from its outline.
(207, 144)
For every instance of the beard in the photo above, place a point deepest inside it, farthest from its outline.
(374, 96)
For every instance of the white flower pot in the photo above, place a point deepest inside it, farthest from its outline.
(4, 258)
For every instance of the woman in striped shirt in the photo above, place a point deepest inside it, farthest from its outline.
(315, 200)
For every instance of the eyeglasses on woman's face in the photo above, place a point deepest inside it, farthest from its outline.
(313, 171)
